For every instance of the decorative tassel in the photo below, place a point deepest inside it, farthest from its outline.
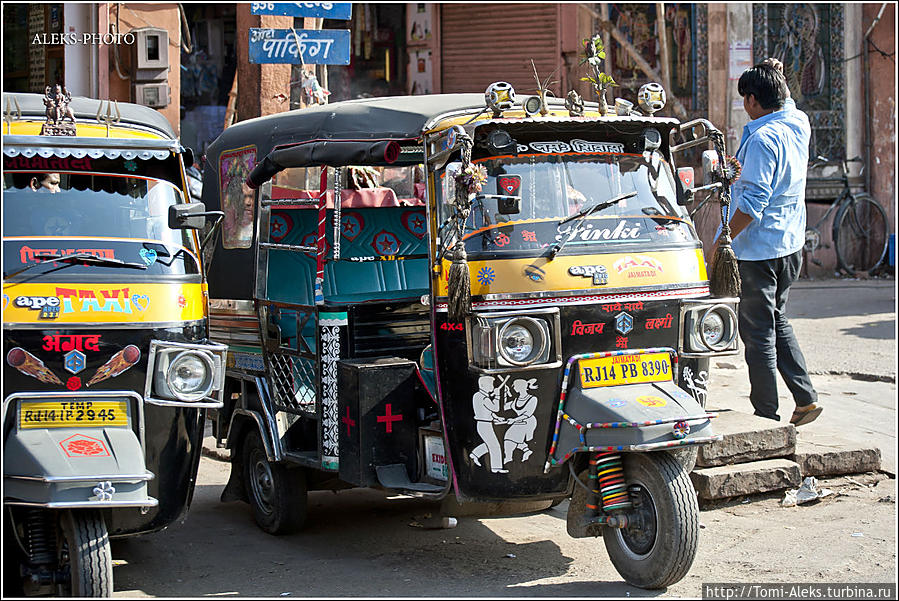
(724, 281)
(725, 277)
(459, 285)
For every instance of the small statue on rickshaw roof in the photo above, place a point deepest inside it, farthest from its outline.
(57, 99)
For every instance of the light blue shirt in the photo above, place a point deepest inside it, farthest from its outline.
(771, 188)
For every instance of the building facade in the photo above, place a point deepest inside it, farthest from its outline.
(189, 60)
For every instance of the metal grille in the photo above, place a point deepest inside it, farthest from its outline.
(401, 331)
(470, 32)
(293, 382)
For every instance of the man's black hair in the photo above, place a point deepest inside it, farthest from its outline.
(766, 83)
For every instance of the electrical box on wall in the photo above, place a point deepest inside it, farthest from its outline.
(150, 54)
(155, 95)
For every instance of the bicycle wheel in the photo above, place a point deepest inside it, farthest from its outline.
(860, 235)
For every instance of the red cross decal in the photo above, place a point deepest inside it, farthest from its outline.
(348, 421)
(388, 418)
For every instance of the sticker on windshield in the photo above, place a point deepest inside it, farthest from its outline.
(579, 146)
(148, 255)
(28, 254)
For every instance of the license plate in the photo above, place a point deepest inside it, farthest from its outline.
(616, 370)
(69, 414)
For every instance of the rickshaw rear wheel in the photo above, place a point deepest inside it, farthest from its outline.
(658, 546)
(84, 548)
(278, 495)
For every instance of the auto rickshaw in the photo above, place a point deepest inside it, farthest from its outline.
(469, 296)
(108, 367)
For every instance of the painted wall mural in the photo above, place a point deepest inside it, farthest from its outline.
(808, 39)
(686, 31)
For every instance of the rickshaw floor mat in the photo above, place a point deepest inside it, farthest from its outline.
(395, 476)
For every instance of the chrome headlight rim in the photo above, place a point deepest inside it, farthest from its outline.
(729, 323)
(538, 332)
(209, 377)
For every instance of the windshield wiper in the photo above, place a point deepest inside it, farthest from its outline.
(658, 217)
(78, 258)
(554, 250)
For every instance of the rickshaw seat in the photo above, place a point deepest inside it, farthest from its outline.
(292, 275)
(348, 282)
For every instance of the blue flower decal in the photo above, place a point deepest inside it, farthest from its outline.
(131, 166)
(486, 276)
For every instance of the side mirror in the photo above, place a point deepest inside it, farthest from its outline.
(188, 157)
(188, 216)
(709, 166)
(508, 189)
(685, 182)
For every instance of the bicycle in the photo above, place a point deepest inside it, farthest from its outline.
(859, 228)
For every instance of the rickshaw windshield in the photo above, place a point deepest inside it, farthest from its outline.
(94, 205)
(556, 186)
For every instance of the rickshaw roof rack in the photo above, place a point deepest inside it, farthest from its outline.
(86, 109)
(639, 119)
(385, 118)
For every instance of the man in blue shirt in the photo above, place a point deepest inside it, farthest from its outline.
(768, 229)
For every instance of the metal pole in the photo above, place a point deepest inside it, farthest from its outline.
(867, 69)
(663, 47)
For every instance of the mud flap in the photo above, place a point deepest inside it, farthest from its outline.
(76, 466)
(656, 408)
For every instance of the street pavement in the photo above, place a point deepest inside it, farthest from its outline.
(847, 331)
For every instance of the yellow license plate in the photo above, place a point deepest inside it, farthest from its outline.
(616, 370)
(73, 414)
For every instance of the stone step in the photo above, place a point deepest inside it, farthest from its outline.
(821, 455)
(746, 438)
(726, 481)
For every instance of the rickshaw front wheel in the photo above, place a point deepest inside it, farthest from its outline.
(658, 545)
(84, 548)
(277, 494)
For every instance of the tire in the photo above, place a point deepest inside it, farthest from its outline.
(658, 546)
(860, 235)
(278, 495)
(84, 548)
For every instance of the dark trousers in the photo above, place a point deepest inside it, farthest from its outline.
(768, 338)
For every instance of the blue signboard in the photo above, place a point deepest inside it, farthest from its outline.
(300, 46)
(326, 10)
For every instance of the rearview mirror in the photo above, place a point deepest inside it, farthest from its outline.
(188, 216)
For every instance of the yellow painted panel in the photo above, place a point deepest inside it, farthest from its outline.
(106, 303)
(624, 270)
(87, 130)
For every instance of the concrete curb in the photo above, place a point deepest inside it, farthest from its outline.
(213, 452)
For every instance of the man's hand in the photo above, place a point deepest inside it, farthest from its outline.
(739, 222)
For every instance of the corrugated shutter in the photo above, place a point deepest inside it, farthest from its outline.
(483, 43)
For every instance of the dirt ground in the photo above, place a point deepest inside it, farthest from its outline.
(360, 543)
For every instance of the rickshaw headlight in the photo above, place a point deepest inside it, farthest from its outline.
(190, 376)
(711, 328)
(517, 342)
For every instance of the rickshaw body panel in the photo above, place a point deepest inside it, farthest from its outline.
(652, 279)
(87, 333)
(168, 441)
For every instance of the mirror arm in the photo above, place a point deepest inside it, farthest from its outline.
(219, 216)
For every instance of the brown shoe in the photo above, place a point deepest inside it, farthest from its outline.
(805, 415)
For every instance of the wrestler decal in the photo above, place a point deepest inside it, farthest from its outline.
(504, 413)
